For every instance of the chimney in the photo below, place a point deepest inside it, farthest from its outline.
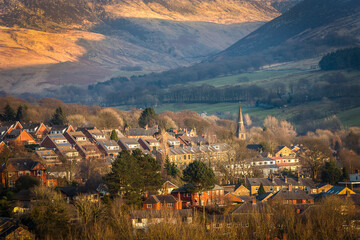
(285, 179)
(146, 195)
(290, 187)
(254, 200)
(347, 193)
(146, 127)
(272, 179)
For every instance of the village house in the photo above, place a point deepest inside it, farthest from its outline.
(292, 197)
(321, 188)
(37, 130)
(13, 169)
(48, 156)
(93, 134)
(162, 202)
(186, 141)
(167, 188)
(61, 129)
(232, 199)
(354, 180)
(141, 132)
(340, 190)
(214, 196)
(108, 147)
(71, 194)
(149, 143)
(284, 151)
(18, 137)
(273, 185)
(182, 157)
(61, 146)
(241, 191)
(86, 149)
(129, 144)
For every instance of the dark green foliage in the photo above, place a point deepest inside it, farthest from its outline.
(59, 117)
(132, 175)
(261, 189)
(6, 207)
(114, 135)
(9, 113)
(199, 175)
(171, 169)
(148, 117)
(26, 182)
(331, 173)
(19, 113)
(341, 59)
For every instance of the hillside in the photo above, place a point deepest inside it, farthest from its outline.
(332, 22)
(58, 42)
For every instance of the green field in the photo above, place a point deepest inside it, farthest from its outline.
(350, 117)
(286, 73)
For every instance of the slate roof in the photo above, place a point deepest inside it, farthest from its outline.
(263, 196)
(21, 164)
(291, 195)
(281, 182)
(32, 126)
(335, 189)
(161, 199)
(141, 131)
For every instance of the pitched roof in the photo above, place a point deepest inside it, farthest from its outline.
(141, 131)
(19, 164)
(281, 182)
(161, 199)
(338, 189)
(291, 195)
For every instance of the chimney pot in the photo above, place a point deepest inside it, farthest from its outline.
(254, 200)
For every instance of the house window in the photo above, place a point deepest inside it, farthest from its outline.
(271, 188)
(184, 157)
(170, 205)
(139, 220)
(314, 190)
(149, 205)
(256, 188)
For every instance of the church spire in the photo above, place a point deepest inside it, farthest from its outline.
(241, 131)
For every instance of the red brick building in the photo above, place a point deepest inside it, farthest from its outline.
(162, 202)
(214, 196)
(19, 137)
(37, 130)
(15, 168)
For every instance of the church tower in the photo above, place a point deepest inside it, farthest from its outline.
(241, 131)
